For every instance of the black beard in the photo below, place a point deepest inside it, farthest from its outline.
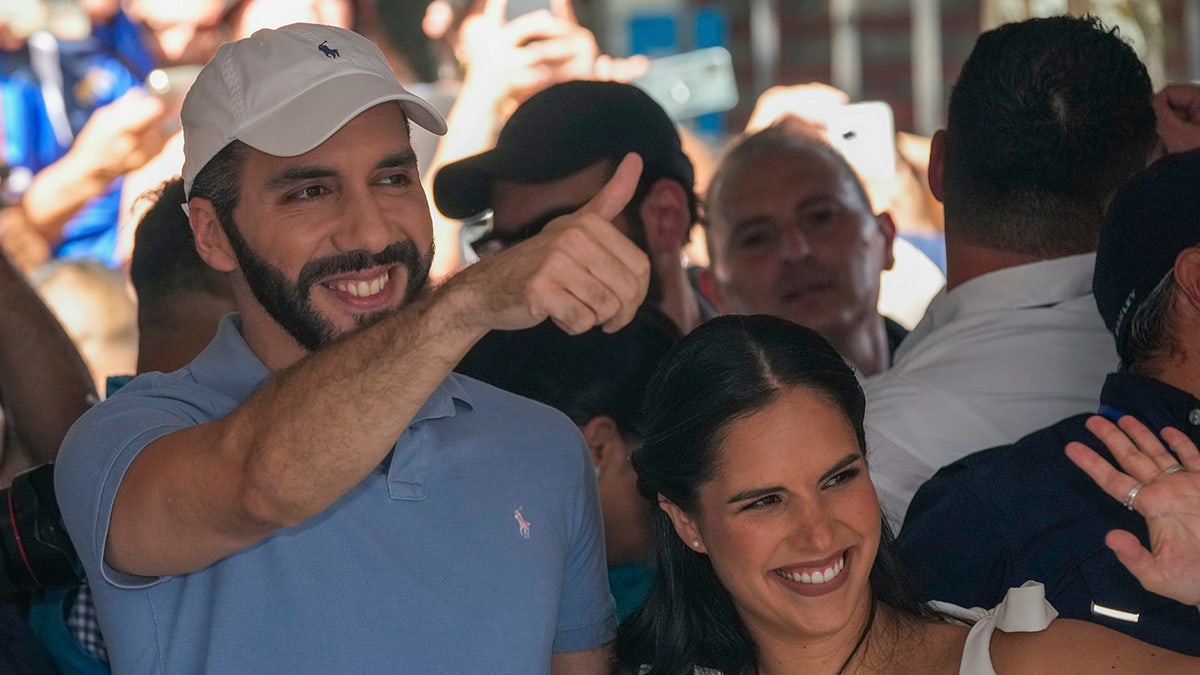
(289, 304)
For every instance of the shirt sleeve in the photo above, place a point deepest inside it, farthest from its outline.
(92, 462)
(587, 615)
(950, 544)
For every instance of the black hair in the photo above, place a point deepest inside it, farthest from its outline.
(165, 262)
(1047, 118)
(1151, 329)
(726, 369)
(595, 373)
(218, 182)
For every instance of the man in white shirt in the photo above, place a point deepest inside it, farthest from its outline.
(1048, 117)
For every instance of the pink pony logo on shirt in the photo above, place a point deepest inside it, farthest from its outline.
(522, 523)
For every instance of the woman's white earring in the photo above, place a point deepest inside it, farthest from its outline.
(696, 544)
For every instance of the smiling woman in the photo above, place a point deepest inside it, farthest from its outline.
(772, 554)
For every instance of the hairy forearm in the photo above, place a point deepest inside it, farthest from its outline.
(336, 414)
(304, 439)
(44, 383)
(324, 422)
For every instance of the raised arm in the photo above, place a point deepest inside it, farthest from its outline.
(313, 432)
(1164, 490)
(118, 138)
(44, 383)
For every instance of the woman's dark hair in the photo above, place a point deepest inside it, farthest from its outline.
(726, 369)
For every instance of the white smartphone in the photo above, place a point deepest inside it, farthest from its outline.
(865, 134)
(515, 8)
(692, 83)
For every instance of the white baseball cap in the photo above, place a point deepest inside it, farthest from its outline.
(285, 91)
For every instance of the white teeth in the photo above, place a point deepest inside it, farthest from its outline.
(360, 289)
(818, 577)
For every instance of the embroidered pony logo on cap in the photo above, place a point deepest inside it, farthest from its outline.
(522, 524)
(328, 51)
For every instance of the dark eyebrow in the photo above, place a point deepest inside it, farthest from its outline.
(292, 175)
(296, 174)
(405, 160)
(845, 462)
(755, 493)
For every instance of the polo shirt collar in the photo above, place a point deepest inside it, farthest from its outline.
(227, 365)
(1153, 402)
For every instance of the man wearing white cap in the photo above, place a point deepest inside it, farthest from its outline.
(316, 492)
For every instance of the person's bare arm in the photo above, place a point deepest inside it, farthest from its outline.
(314, 431)
(44, 383)
(596, 661)
(23, 245)
(1071, 646)
(117, 138)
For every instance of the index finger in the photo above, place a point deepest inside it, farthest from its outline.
(563, 10)
(495, 11)
(616, 193)
(1114, 483)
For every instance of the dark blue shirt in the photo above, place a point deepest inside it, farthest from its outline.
(1000, 517)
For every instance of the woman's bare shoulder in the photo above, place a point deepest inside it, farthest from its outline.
(1071, 646)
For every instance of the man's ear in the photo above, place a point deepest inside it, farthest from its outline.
(937, 164)
(887, 229)
(604, 442)
(1187, 276)
(211, 242)
(665, 215)
(710, 289)
(685, 527)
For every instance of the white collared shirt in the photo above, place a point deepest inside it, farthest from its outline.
(1000, 356)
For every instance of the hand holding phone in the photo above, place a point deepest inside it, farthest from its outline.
(692, 83)
(865, 134)
(515, 8)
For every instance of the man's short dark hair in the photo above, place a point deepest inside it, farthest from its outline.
(1047, 118)
(165, 262)
(218, 182)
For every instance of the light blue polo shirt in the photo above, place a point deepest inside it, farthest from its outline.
(475, 547)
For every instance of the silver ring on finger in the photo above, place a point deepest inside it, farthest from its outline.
(1173, 469)
(1133, 493)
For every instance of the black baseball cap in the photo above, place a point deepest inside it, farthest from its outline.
(1151, 219)
(560, 130)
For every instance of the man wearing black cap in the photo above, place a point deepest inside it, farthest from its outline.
(556, 151)
(1003, 516)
